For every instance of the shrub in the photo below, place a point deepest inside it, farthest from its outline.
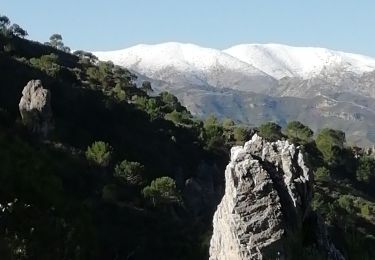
(86, 57)
(47, 63)
(365, 210)
(99, 153)
(213, 133)
(366, 169)
(297, 132)
(346, 202)
(240, 134)
(270, 131)
(228, 123)
(323, 174)
(56, 41)
(171, 102)
(331, 144)
(179, 117)
(130, 172)
(162, 191)
(119, 93)
(146, 86)
(16, 30)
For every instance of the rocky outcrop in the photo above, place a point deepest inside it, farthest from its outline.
(35, 108)
(267, 197)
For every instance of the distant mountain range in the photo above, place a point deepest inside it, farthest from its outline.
(254, 83)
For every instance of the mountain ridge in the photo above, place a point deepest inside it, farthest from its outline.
(288, 84)
(275, 60)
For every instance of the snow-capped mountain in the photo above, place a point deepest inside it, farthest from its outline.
(189, 64)
(305, 62)
(257, 60)
(254, 83)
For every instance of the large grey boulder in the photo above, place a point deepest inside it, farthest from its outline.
(35, 108)
(268, 192)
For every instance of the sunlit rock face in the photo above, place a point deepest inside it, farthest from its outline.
(267, 197)
(35, 108)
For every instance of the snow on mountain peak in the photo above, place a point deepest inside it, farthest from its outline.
(254, 60)
(183, 57)
(183, 64)
(286, 61)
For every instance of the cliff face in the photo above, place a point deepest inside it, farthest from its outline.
(267, 197)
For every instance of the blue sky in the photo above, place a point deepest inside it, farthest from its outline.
(346, 25)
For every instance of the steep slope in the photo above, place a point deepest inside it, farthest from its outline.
(75, 207)
(305, 62)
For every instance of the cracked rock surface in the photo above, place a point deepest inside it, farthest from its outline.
(268, 191)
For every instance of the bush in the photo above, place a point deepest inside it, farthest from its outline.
(346, 202)
(99, 153)
(56, 41)
(4, 22)
(101, 75)
(162, 191)
(299, 133)
(178, 117)
(171, 102)
(16, 30)
(365, 210)
(47, 63)
(130, 172)
(212, 128)
(270, 131)
(331, 144)
(317, 201)
(119, 93)
(213, 134)
(86, 57)
(240, 134)
(323, 174)
(146, 86)
(366, 169)
(228, 123)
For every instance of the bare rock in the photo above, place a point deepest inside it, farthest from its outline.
(35, 108)
(268, 192)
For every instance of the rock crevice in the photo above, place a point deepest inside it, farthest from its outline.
(268, 192)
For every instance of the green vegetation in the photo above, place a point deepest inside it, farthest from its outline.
(146, 86)
(99, 153)
(331, 143)
(213, 133)
(130, 172)
(47, 63)
(270, 131)
(162, 191)
(240, 134)
(73, 197)
(297, 132)
(9, 29)
(366, 170)
(56, 42)
(346, 202)
(322, 174)
(88, 199)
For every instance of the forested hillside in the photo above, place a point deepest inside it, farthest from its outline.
(126, 173)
